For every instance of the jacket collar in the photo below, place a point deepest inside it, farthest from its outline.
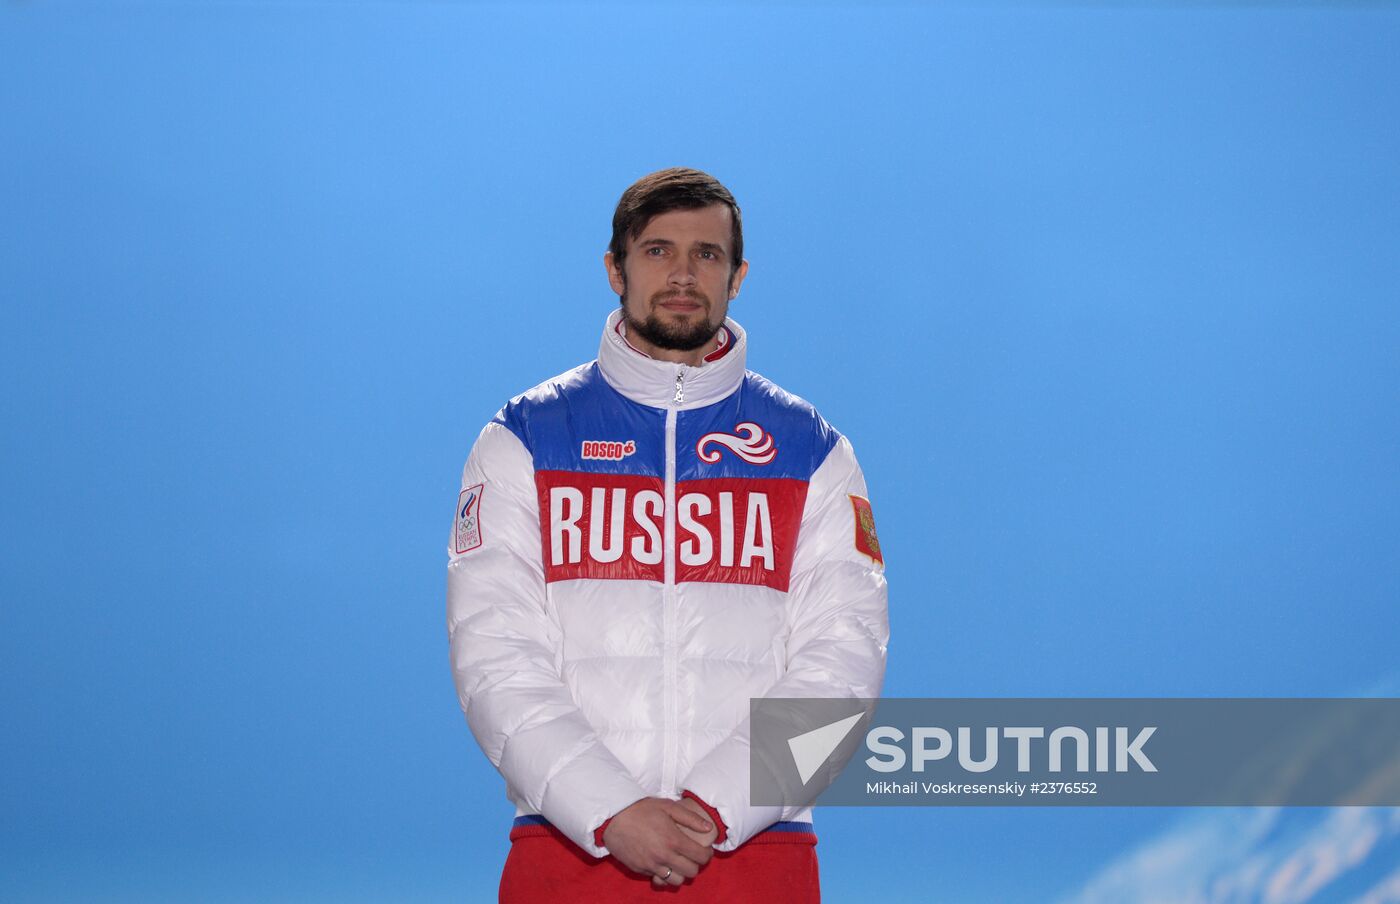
(651, 382)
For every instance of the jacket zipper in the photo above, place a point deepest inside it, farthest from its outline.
(669, 666)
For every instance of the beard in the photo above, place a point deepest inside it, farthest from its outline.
(681, 337)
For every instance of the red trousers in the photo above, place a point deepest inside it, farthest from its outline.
(773, 866)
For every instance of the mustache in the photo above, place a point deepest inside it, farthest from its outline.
(687, 295)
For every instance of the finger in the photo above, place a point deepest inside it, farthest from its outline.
(699, 860)
(665, 876)
(691, 850)
(691, 833)
(687, 817)
(704, 840)
(687, 870)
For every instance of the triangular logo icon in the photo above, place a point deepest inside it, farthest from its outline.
(810, 749)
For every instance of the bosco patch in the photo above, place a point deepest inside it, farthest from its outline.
(468, 531)
(602, 450)
(866, 541)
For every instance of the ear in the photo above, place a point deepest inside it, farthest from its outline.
(616, 278)
(739, 275)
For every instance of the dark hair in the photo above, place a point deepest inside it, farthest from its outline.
(677, 188)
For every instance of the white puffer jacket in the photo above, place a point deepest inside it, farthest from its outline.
(639, 548)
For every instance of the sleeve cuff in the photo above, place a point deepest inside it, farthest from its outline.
(598, 832)
(711, 812)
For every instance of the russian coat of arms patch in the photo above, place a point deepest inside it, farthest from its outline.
(866, 540)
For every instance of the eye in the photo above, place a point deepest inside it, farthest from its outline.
(655, 251)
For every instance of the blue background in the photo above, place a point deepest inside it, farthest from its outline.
(1106, 297)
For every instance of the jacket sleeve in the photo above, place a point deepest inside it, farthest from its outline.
(838, 627)
(504, 645)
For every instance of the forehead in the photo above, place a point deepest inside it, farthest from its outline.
(700, 224)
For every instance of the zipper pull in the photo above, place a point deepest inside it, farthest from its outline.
(680, 386)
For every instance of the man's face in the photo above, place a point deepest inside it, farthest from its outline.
(675, 280)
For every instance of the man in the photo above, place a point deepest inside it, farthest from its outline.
(641, 545)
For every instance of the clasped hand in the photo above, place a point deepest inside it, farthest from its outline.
(666, 839)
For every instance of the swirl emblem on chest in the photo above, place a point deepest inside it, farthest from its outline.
(749, 441)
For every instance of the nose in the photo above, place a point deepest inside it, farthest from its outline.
(683, 273)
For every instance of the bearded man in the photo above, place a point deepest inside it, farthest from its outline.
(641, 546)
